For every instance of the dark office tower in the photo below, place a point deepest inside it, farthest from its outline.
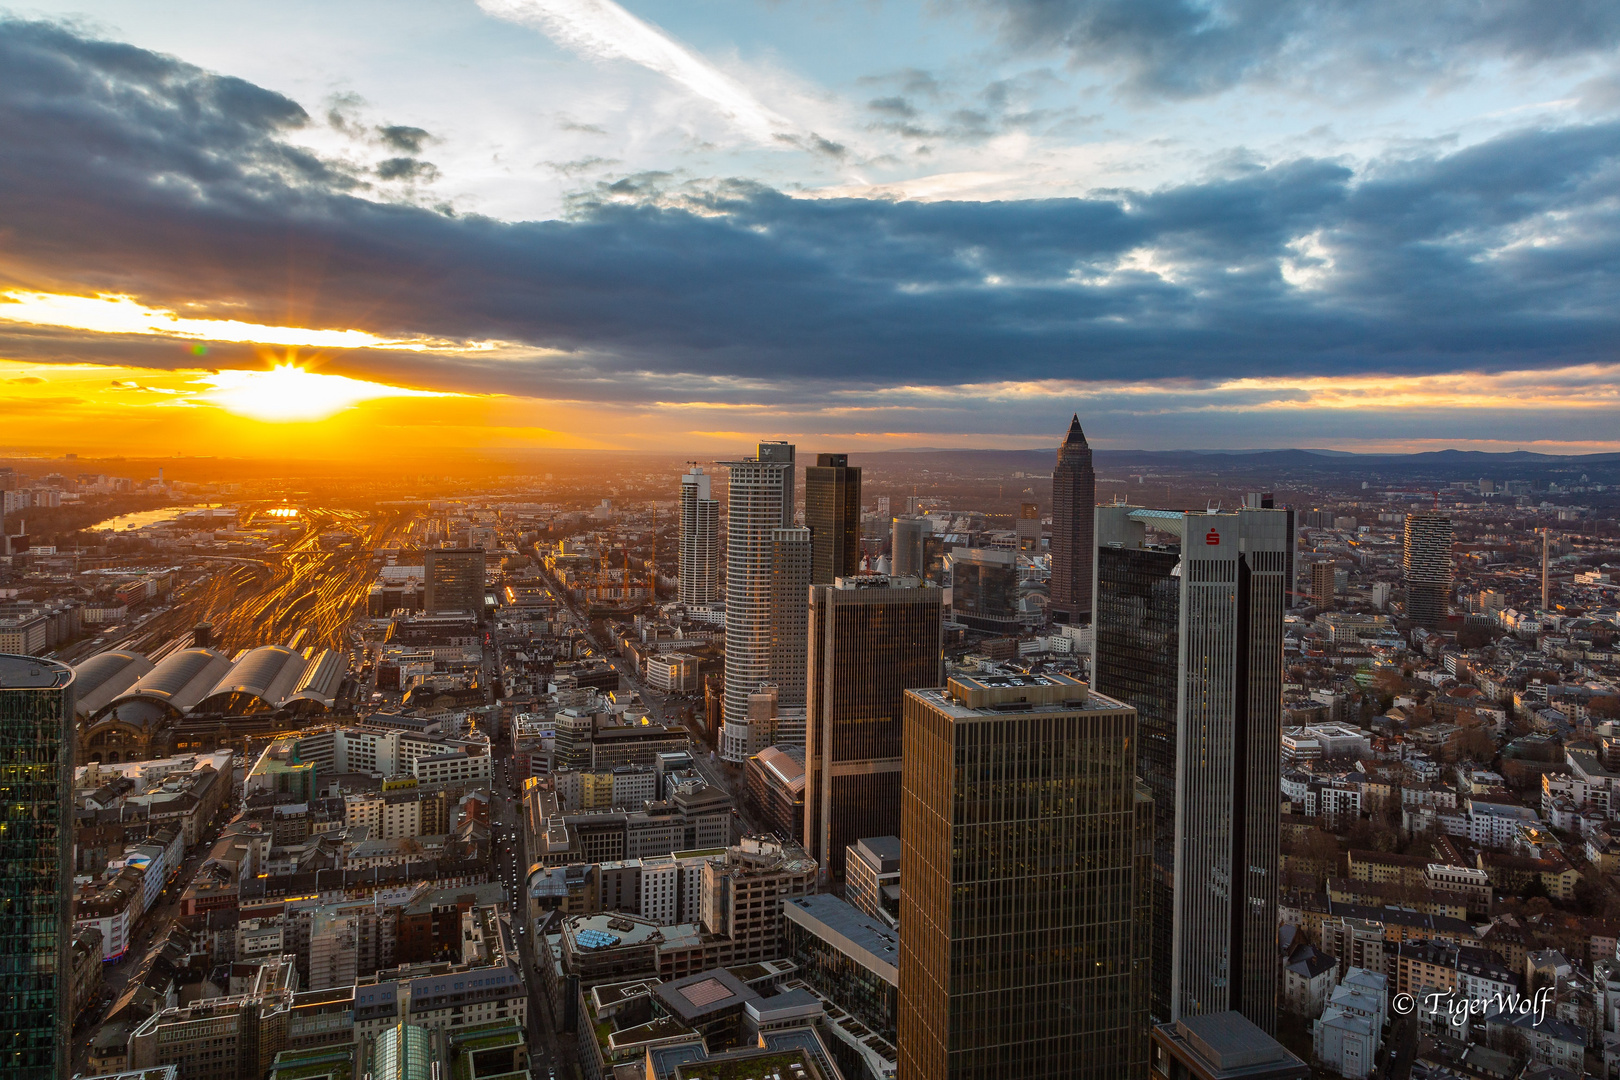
(1323, 592)
(1026, 854)
(759, 502)
(1266, 500)
(1074, 494)
(454, 581)
(1190, 633)
(1428, 567)
(789, 613)
(832, 512)
(36, 866)
(1136, 657)
(699, 541)
(1291, 574)
(871, 638)
(908, 547)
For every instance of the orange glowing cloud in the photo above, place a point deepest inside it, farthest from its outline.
(112, 313)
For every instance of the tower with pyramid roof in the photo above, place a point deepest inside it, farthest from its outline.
(1074, 501)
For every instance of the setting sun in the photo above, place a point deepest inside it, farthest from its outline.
(288, 393)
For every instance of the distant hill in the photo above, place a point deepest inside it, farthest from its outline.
(1453, 464)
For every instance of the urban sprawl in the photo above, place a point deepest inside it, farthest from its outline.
(806, 767)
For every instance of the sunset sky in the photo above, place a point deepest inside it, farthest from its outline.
(313, 229)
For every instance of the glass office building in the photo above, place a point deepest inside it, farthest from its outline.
(36, 866)
(871, 638)
(984, 589)
(832, 512)
(1214, 754)
(850, 957)
(1024, 948)
(454, 581)
(1137, 627)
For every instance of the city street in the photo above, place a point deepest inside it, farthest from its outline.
(154, 924)
(547, 1051)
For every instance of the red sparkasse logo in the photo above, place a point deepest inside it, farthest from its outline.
(1212, 538)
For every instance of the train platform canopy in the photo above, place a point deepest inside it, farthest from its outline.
(205, 682)
(105, 676)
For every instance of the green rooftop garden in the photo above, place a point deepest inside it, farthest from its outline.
(316, 1064)
(489, 1042)
(754, 1068)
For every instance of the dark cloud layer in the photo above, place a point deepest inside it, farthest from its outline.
(125, 171)
(1191, 47)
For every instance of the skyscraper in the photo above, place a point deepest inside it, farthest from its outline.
(789, 613)
(1074, 494)
(36, 866)
(1024, 906)
(984, 588)
(1427, 565)
(1266, 500)
(832, 512)
(1323, 593)
(871, 638)
(454, 581)
(700, 540)
(1190, 633)
(908, 546)
(759, 502)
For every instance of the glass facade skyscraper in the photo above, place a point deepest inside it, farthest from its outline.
(1427, 566)
(789, 613)
(871, 639)
(1222, 586)
(1137, 620)
(1026, 838)
(908, 547)
(36, 866)
(832, 512)
(984, 588)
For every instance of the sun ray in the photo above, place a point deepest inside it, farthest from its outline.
(288, 393)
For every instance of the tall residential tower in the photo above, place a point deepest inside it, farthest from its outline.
(832, 512)
(1074, 494)
(759, 504)
(36, 866)
(1189, 631)
(871, 639)
(1026, 853)
(700, 540)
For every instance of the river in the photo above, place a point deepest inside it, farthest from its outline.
(143, 518)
